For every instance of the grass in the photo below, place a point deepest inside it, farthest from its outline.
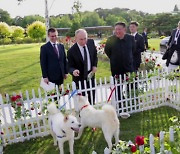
(142, 123)
(154, 43)
(20, 68)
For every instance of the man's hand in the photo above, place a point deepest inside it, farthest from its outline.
(76, 72)
(46, 80)
(65, 76)
(94, 69)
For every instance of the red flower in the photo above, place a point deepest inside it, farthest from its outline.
(13, 98)
(116, 76)
(32, 108)
(80, 94)
(103, 45)
(39, 113)
(147, 60)
(2, 133)
(139, 140)
(158, 65)
(133, 148)
(19, 104)
(18, 96)
(127, 78)
(153, 59)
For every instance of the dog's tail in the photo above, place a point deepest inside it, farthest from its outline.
(52, 109)
(110, 110)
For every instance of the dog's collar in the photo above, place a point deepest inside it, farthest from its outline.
(84, 107)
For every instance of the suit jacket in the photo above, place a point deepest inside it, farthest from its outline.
(171, 40)
(120, 53)
(75, 59)
(144, 35)
(52, 67)
(139, 48)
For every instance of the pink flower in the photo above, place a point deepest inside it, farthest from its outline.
(18, 96)
(19, 104)
(147, 60)
(139, 140)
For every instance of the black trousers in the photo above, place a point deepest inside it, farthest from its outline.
(170, 53)
(91, 93)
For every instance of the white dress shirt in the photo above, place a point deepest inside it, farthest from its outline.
(55, 46)
(176, 36)
(88, 56)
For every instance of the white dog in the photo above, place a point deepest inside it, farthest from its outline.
(62, 127)
(106, 119)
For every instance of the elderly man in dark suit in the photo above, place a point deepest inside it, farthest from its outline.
(82, 60)
(53, 59)
(133, 27)
(174, 44)
(120, 49)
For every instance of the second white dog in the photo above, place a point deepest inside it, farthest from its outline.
(62, 127)
(106, 119)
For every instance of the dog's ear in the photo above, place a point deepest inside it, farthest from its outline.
(66, 117)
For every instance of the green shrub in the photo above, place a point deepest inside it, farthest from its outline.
(161, 37)
(28, 40)
(5, 41)
(18, 40)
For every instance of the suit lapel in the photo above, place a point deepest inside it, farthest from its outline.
(78, 53)
(59, 50)
(89, 49)
(51, 49)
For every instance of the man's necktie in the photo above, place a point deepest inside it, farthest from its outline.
(177, 34)
(55, 49)
(85, 63)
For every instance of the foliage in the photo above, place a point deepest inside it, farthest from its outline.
(5, 17)
(17, 103)
(175, 74)
(18, 33)
(37, 30)
(5, 30)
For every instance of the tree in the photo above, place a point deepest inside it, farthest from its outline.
(91, 19)
(18, 32)
(5, 30)
(176, 9)
(27, 20)
(5, 17)
(37, 30)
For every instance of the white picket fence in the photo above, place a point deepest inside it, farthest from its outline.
(158, 91)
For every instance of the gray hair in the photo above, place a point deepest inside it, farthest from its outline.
(80, 30)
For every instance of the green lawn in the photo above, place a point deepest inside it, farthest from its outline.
(20, 68)
(142, 123)
(154, 43)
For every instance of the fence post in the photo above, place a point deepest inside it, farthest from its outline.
(75, 104)
(161, 141)
(151, 143)
(166, 88)
(113, 99)
(171, 134)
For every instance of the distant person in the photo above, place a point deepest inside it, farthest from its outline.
(144, 34)
(120, 49)
(53, 59)
(133, 27)
(82, 60)
(174, 44)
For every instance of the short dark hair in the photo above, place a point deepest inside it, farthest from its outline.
(120, 24)
(51, 30)
(134, 23)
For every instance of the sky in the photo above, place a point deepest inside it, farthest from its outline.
(32, 7)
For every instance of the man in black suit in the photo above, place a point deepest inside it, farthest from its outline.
(144, 34)
(82, 60)
(174, 44)
(133, 27)
(120, 49)
(53, 59)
